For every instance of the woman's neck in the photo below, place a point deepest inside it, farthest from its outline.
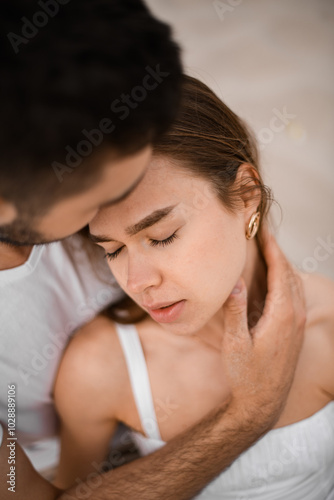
(255, 277)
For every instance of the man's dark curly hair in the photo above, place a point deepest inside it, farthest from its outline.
(65, 66)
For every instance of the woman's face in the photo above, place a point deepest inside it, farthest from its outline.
(172, 243)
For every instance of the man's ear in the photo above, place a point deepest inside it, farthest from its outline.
(8, 212)
(248, 183)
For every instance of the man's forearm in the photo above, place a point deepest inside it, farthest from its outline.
(182, 468)
(179, 470)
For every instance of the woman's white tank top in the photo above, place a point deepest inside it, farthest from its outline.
(295, 462)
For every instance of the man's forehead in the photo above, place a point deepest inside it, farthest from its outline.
(125, 194)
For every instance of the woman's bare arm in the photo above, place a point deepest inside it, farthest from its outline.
(261, 366)
(87, 395)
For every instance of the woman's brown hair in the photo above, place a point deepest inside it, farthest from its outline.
(210, 141)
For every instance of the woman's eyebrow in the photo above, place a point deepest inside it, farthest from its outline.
(149, 220)
(144, 223)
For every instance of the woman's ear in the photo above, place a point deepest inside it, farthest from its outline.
(8, 212)
(248, 185)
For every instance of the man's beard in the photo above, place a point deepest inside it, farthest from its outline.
(19, 233)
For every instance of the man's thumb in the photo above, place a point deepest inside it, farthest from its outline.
(235, 310)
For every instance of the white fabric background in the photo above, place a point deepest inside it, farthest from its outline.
(262, 55)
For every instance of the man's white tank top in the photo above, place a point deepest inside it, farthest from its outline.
(295, 462)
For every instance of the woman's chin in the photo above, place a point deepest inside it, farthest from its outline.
(184, 328)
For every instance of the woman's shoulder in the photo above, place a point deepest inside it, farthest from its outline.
(96, 342)
(319, 331)
(319, 296)
(92, 362)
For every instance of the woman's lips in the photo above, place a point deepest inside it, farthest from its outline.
(167, 314)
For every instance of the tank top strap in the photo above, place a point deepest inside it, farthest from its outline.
(139, 378)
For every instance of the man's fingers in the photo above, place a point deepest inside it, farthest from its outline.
(281, 274)
(275, 259)
(235, 312)
(285, 299)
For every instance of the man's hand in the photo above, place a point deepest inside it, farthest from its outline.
(261, 362)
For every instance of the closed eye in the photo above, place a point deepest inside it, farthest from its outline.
(163, 243)
(153, 243)
(113, 255)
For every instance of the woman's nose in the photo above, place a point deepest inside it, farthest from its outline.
(142, 274)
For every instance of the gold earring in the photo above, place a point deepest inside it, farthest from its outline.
(253, 226)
